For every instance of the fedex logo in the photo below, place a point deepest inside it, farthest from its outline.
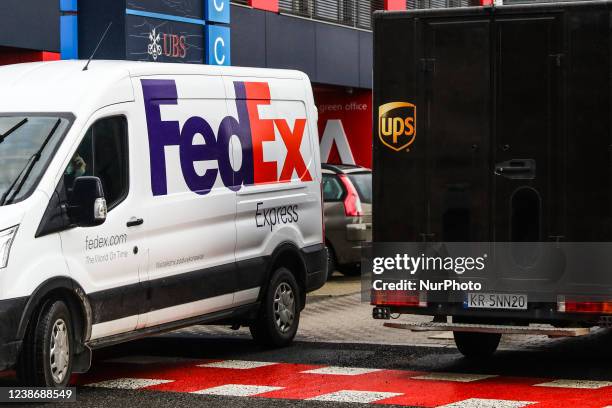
(251, 130)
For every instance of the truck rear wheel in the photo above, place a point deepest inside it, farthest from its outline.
(279, 313)
(47, 353)
(477, 346)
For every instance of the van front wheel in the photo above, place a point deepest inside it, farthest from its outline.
(46, 355)
(279, 314)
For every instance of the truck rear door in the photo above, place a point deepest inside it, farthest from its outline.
(494, 169)
(456, 101)
(528, 187)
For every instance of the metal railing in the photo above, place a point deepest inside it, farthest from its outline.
(353, 13)
(350, 13)
(426, 4)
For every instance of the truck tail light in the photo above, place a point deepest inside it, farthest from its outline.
(569, 305)
(399, 298)
(352, 203)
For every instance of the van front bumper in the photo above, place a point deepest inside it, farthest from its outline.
(11, 311)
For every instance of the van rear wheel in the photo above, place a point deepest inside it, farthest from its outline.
(279, 314)
(477, 346)
(47, 353)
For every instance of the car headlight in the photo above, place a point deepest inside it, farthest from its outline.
(6, 241)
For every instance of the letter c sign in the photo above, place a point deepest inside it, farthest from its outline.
(218, 50)
(217, 11)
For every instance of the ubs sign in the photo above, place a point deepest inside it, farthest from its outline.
(153, 39)
(169, 45)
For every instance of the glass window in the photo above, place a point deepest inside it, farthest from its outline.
(332, 188)
(363, 185)
(27, 145)
(103, 153)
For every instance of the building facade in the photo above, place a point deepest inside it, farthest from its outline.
(330, 40)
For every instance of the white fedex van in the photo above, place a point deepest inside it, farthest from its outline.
(137, 198)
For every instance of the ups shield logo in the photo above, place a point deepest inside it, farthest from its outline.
(397, 125)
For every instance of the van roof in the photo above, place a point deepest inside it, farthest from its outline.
(63, 86)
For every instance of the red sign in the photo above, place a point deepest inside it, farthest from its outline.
(268, 5)
(9, 55)
(395, 5)
(345, 125)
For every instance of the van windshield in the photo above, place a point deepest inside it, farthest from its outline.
(27, 145)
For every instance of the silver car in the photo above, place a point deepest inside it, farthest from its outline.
(347, 196)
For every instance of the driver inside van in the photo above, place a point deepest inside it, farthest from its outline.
(77, 166)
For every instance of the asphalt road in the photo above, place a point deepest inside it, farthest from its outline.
(167, 370)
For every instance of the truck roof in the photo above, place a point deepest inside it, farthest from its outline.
(63, 86)
(483, 10)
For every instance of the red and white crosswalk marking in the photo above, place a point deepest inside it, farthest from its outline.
(237, 390)
(236, 364)
(260, 379)
(585, 384)
(364, 397)
(341, 370)
(487, 403)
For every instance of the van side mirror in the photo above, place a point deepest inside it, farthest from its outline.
(86, 204)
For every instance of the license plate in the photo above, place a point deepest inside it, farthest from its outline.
(496, 301)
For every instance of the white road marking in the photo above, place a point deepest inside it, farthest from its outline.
(237, 364)
(458, 377)
(364, 397)
(487, 403)
(128, 383)
(584, 384)
(447, 335)
(332, 370)
(237, 390)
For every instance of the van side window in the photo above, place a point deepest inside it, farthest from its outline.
(332, 188)
(103, 153)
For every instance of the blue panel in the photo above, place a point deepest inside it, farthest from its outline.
(218, 46)
(68, 5)
(69, 37)
(217, 11)
(331, 68)
(179, 8)
(291, 43)
(249, 37)
(160, 16)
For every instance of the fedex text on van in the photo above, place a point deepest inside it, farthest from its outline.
(251, 130)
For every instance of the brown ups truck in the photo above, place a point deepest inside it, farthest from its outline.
(492, 128)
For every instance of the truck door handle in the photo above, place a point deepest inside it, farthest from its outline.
(516, 169)
(134, 222)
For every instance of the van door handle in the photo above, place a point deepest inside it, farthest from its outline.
(134, 222)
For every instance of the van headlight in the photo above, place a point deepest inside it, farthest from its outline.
(6, 241)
